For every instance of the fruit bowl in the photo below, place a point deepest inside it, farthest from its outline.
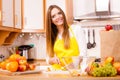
(76, 65)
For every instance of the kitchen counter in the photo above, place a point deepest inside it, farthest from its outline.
(42, 76)
(51, 76)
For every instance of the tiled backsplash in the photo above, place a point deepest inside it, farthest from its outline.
(38, 40)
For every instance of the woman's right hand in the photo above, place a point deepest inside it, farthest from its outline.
(54, 60)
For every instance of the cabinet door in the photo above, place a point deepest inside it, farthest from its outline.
(83, 7)
(7, 13)
(17, 14)
(60, 3)
(33, 17)
(66, 6)
(0, 10)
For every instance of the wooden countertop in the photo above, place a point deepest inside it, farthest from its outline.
(41, 76)
(48, 76)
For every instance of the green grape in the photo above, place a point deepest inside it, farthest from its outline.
(104, 71)
(108, 64)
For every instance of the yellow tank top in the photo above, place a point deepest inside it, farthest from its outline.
(60, 51)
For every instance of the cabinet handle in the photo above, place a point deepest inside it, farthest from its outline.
(0, 16)
(25, 21)
(3, 14)
(16, 19)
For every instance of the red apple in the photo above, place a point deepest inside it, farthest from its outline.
(87, 69)
(32, 66)
(108, 27)
(22, 68)
(22, 62)
(20, 58)
(91, 67)
(117, 66)
(109, 59)
(27, 66)
(118, 70)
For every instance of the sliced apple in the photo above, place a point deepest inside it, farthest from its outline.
(32, 66)
(109, 59)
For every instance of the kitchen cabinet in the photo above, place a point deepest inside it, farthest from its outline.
(82, 7)
(3, 36)
(66, 6)
(10, 39)
(10, 15)
(7, 37)
(0, 12)
(7, 13)
(10, 20)
(17, 14)
(115, 6)
(33, 15)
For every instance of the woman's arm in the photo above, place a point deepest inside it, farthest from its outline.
(52, 60)
(80, 37)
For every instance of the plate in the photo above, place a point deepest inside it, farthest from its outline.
(37, 70)
(45, 70)
(56, 72)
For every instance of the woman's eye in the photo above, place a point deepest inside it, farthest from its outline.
(59, 13)
(53, 16)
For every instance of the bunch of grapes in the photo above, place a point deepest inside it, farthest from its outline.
(104, 71)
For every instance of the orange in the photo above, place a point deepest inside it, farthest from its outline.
(12, 66)
(3, 65)
(13, 57)
(0, 64)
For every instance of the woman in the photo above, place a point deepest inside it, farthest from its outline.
(62, 40)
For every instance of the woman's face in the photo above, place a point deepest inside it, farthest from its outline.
(57, 17)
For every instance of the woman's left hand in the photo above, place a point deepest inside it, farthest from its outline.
(54, 60)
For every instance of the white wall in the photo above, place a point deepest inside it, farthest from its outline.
(115, 5)
(82, 7)
(98, 25)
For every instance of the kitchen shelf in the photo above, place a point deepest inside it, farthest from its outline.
(7, 37)
(10, 39)
(3, 36)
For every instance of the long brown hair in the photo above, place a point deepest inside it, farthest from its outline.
(52, 31)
